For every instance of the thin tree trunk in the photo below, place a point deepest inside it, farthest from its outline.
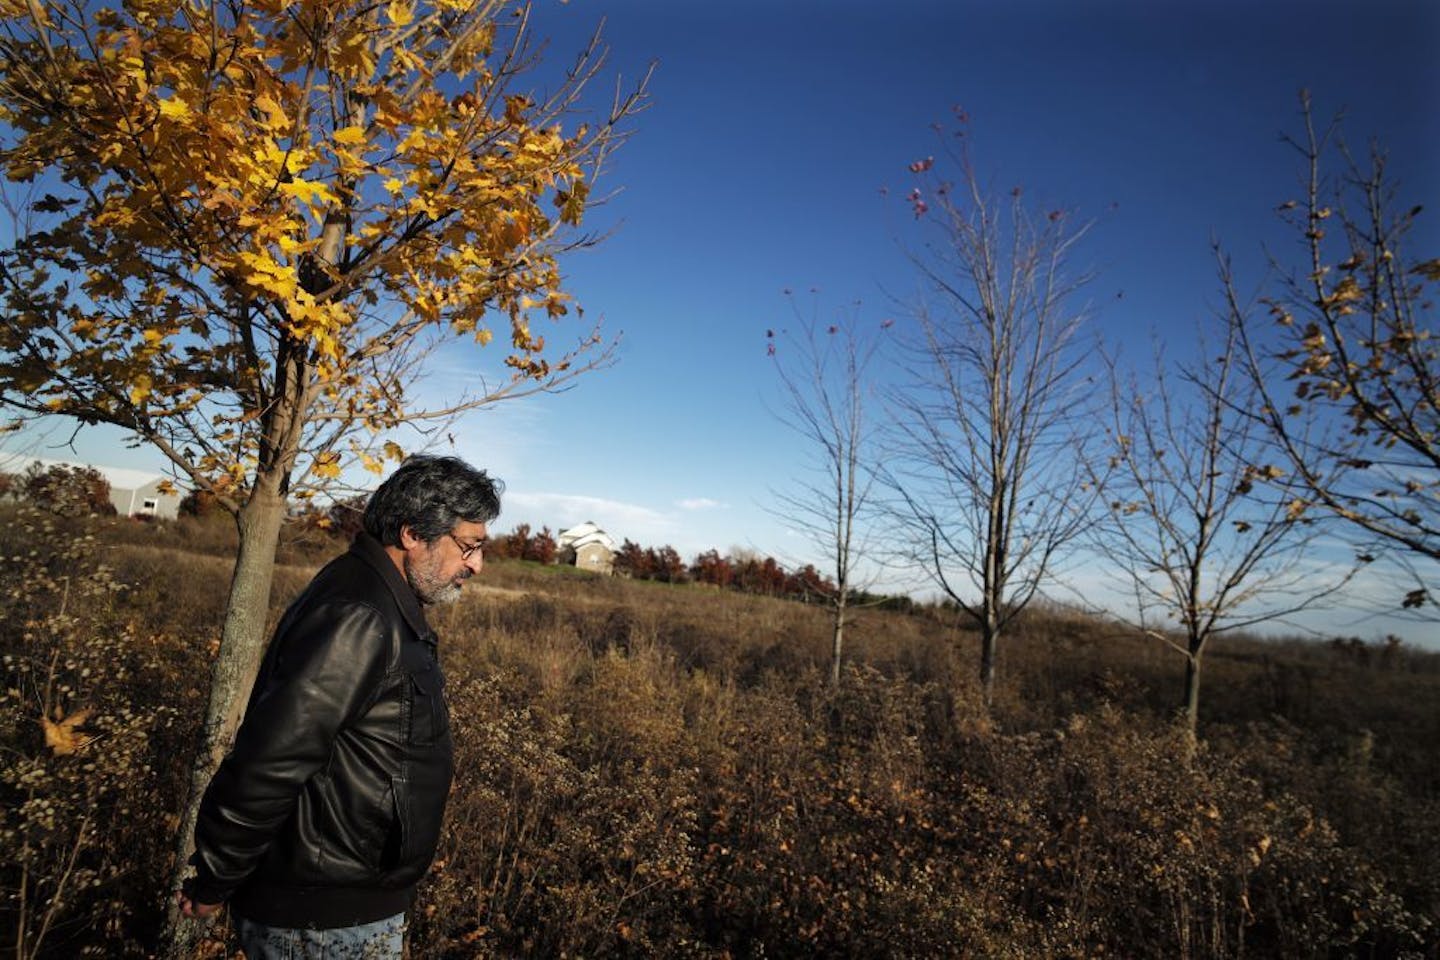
(989, 635)
(242, 644)
(1192, 703)
(837, 645)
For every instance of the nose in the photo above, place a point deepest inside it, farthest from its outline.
(475, 561)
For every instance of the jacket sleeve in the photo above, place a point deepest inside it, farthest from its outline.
(328, 662)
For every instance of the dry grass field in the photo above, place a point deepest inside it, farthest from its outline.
(661, 770)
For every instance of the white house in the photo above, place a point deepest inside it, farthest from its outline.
(133, 492)
(587, 547)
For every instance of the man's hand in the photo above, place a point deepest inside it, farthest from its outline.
(190, 908)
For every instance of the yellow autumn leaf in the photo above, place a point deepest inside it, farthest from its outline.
(350, 136)
(266, 274)
(174, 108)
(353, 58)
(400, 13)
(327, 465)
(393, 451)
(372, 464)
(279, 120)
(309, 191)
(140, 389)
(61, 735)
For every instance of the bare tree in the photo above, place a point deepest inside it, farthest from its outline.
(1204, 548)
(988, 488)
(1348, 373)
(824, 379)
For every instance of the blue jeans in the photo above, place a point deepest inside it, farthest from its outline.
(381, 940)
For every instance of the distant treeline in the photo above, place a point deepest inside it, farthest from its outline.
(747, 573)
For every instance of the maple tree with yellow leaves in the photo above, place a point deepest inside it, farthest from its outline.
(239, 229)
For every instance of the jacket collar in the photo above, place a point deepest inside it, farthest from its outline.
(368, 549)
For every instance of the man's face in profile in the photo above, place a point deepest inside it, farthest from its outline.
(437, 571)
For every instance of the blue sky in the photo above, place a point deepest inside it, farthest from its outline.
(760, 167)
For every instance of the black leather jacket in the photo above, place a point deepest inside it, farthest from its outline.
(327, 810)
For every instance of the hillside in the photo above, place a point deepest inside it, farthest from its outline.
(661, 770)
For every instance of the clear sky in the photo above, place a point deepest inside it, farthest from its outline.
(760, 166)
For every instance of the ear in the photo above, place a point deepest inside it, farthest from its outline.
(409, 540)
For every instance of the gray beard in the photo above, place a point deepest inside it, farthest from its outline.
(429, 588)
(445, 593)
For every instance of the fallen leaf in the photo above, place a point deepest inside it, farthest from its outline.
(61, 736)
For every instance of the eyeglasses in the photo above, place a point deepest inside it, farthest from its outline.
(467, 550)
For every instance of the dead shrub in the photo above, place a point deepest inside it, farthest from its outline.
(661, 770)
(83, 786)
(553, 851)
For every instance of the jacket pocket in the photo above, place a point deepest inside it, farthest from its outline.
(340, 831)
(397, 839)
(429, 717)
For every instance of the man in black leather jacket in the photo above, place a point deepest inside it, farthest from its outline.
(326, 813)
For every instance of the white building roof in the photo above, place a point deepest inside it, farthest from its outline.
(119, 478)
(583, 535)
